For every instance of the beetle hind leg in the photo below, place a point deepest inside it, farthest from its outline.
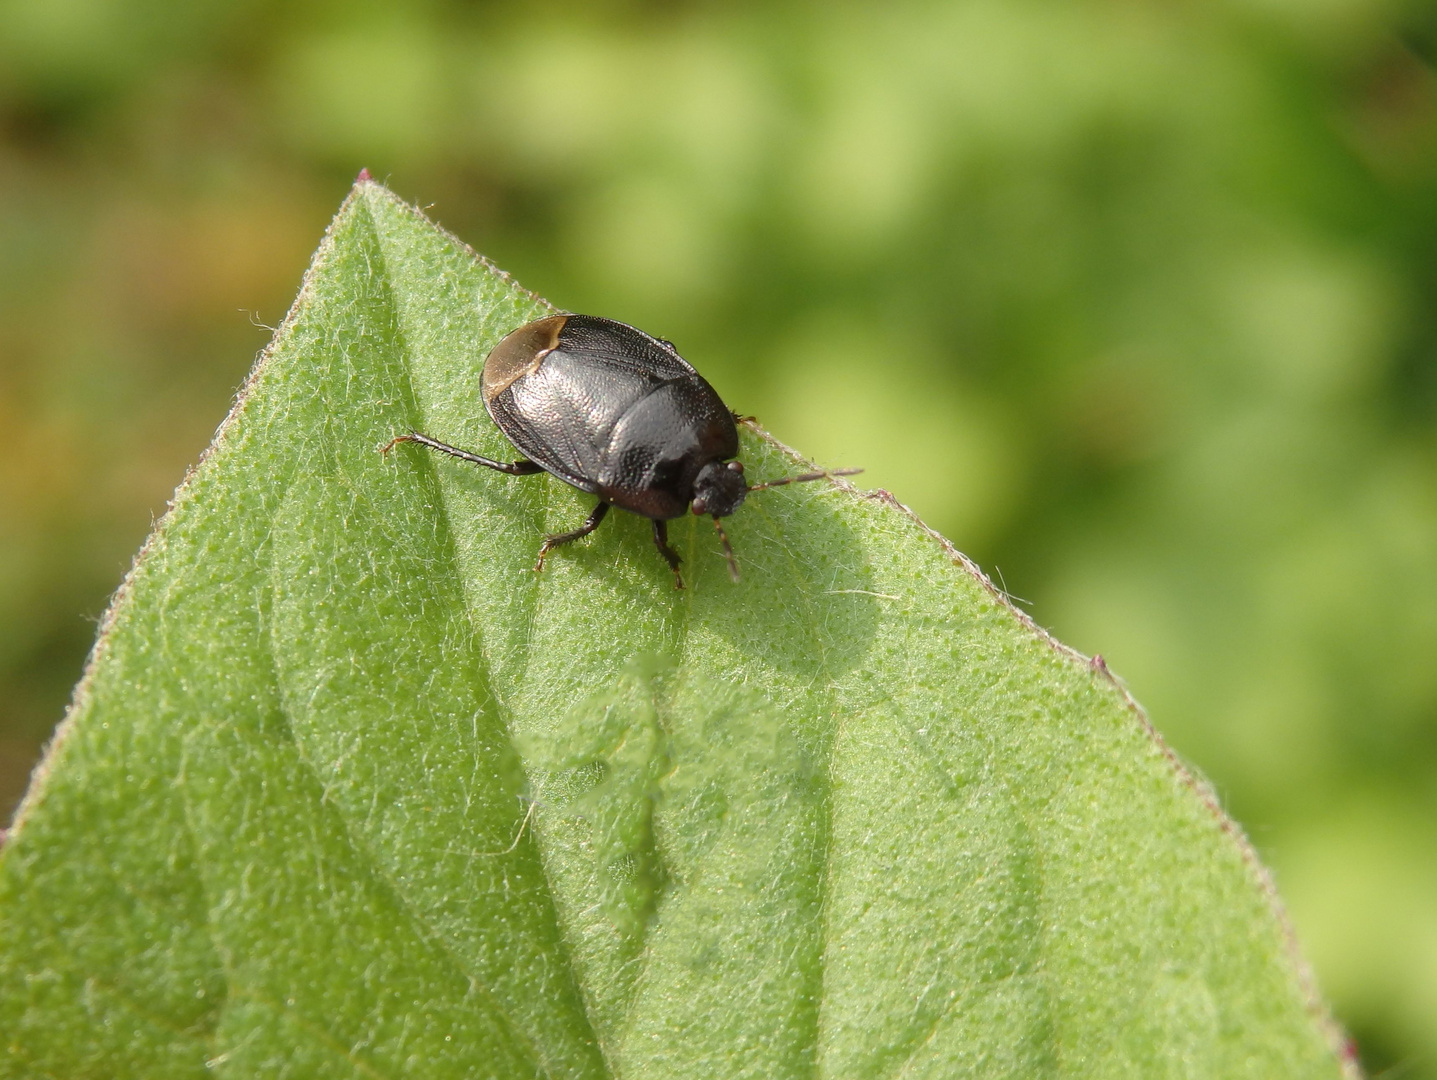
(661, 541)
(551, 542)
(523, 467)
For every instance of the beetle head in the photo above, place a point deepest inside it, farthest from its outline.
(719, 488)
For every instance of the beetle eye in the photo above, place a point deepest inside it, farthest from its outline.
(736, 466)
(700, 507)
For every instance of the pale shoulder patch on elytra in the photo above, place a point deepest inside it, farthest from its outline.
(520, 354)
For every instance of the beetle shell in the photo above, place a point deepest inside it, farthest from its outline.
(608, 409)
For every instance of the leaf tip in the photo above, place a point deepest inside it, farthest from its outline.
(363, 177)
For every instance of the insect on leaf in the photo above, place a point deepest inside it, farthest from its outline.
(349, 791)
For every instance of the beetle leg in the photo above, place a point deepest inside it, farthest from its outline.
(517, 468)
(551, 542)
(661, 541)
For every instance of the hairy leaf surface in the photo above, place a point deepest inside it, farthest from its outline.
(349, 791)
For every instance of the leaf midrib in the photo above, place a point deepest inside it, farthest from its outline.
(538, 593)
(424, 929)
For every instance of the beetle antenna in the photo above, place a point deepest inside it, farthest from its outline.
(804, 478)
(727, 550)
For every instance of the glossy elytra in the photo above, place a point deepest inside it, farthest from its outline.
(621, 415)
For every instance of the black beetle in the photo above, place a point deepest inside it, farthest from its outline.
(621, 415)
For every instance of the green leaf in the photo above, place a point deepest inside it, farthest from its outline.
(348, 790)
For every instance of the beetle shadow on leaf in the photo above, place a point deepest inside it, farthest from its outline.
(805, 606)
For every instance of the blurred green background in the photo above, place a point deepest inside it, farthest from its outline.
(1136, 301)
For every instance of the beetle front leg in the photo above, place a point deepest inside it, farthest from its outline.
(661, 541)
(551, 542)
